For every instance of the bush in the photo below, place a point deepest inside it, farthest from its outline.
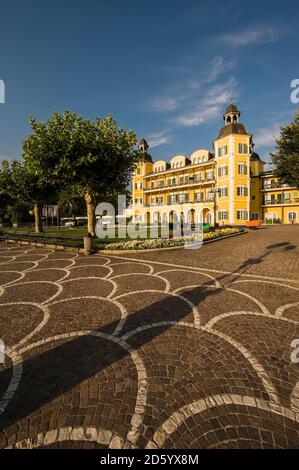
(168, 242)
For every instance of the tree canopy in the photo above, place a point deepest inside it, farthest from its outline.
(286, 156)
(70, 158)
(23, 188)
(96, 157)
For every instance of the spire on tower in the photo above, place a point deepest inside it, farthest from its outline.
(143, 148)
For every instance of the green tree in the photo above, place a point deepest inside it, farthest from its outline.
(6, 200)
(105, 164)
(97, 157)
(71, 202)
(46, 152)
(23, 188)
(286, 156)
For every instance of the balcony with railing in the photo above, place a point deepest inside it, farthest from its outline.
(279, 201)
(277, 185)
(178, 203)
(176, 184)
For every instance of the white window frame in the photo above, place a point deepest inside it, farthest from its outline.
(222, 171)
(242, 190)
(223, 215)
(242, 214)
(242, 148)
(223, 191)
(222, 150)
(242, 169)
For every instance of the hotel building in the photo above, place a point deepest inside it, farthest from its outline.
(228, 185)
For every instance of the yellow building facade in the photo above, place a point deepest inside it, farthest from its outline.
(228, 186)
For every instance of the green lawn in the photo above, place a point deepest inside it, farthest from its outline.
(74, 236)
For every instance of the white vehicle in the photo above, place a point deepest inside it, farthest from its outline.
(107, 220)
(70, 224)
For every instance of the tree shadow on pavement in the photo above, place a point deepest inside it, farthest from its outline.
(60, 368)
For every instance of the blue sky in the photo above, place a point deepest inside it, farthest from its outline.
(163, 68)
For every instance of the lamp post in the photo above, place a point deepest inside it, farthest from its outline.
(215, 192)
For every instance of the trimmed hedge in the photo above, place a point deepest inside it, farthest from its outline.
(168, 242)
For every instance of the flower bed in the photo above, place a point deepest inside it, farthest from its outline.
(169, 242)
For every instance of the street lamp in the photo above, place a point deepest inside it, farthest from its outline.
(215, 192)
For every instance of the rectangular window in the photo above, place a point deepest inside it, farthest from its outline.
(152, 184)
(199, 197)
(183, 197)
(223, 215)
(222, 151)
(138, 185)
(184, 179)
(209, 175)
(287, 196)
(254, 216)
(223, 170)
(172, 199)
(242, 169)
(223, 192)
(243, 148)
(242, 191)
(160, 184)
(267, 199)
(242, 215)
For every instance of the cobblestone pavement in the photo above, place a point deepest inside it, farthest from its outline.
(153, 350)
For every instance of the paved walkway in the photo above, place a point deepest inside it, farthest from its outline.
(180, 349)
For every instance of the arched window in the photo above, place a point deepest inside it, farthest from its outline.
(292, 217)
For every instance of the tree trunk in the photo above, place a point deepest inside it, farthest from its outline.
(90, 205)
(37, 218)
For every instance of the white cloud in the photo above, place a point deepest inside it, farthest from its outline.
(197, 100)
(185, 91)
(159, 138)
(217, 67)
(198, 116)
(166, 103)
(209, 105)
(265, 137)
(221, 93)
(250, 35)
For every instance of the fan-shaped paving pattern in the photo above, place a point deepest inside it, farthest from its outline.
(117, 351)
